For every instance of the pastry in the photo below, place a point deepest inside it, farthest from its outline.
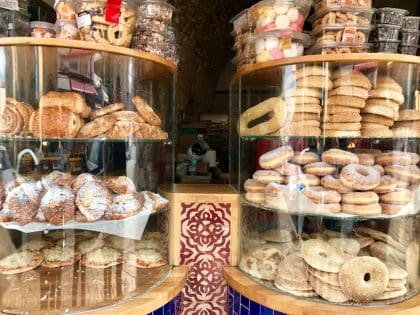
(57, 178)
(20, 262)
(59, 256)
(128, 115)
(82, 179)
(146, 258)
(158, 202)
(120, 185)
(124, 206)
(107, 110)
(97, 127)
(11, 121)
(102, 258)
(93, 200)
(146, 112)
(89, 245)
(72, 101)
(58, 205)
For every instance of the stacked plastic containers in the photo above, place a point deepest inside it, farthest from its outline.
(410, 35)
(243, 33)
(66, 25)
(13, 23)
(389, 22)
(153, 32)
(341, 27)
(278, 28)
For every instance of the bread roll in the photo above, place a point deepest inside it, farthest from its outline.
(70, 100)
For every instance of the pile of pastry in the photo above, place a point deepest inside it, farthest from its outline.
(366, 183)
(66, 115)
(93, 250)
(59, 197)
(334, 266)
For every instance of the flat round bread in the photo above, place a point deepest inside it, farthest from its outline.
(20, 262)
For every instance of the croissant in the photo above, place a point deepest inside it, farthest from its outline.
(11, 121)
(71, 100)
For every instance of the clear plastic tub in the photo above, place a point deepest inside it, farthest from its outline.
(153, 25)
(245, 48)
(361, 4)
(389, 46)
(280, 14)
(390, 16)
(350, 35)
(411, 22)
(410, 37)
(156, 9)
(386, 32)
(150, 47)
(337, 48)
(64, 10)
(243, 22)
(277, 45)
(340, 15)
(94, 27)
(42, 29)
(67, 30)
(408, 49)
(149, 36)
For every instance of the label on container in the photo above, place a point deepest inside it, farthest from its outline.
(349, 35)
(84, 19)
(286, 43)
(12, 5)
(113, 11)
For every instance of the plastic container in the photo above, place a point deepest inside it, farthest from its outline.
(243, 22)
(14, 23)
(362, 4)
(93, 26)
(65, 11)
(337, 48)
(153, 25)
(389, 46)
(340, 15)
(42, 29)
(411, 22)
(410, 37)
(276, 45)
(390, 16)
(67, 30)
(159, 49)
(149, 36)
(350, 35)
(408, 49)
(280, 14)
(386, 32)
(156, 9)
(170, 34)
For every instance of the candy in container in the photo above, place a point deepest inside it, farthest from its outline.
(388, 46)
(411, 22)
(408, 49)
(360, 4)
(341, 16)
(280, 14)
(275, 45)
(42, 29)
(386, 32)
(64, 10)
(337, 48)
(350, 35)
(390, 16)
(410, 37)
(156, 9)
(66, 30)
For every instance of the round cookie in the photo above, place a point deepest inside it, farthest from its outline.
(355, 78)
(377, 119)
(319, 82)
(342, 134)
(350, 91)
(20, 262)
(387, 94)
(312, 71)
(409, 115)
(342, 126)
(303, 92)
(344, 100)
(343, 118)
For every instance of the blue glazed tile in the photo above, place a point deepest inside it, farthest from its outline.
(245, 301)
(244, 311)
(236, 302)
(158, 312)
(266, 311)
(278, 313)
(254, 308)
(230, 309)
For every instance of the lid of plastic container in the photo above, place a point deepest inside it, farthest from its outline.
(314, 49)
(388, 25)
(386, 9)
(41, 24)
(304, 4)
(162, 3)
(299, 37)
(336, 8)
(412, 17)
(242, 19)
(326, 28)
(387, 41)
(407, 30)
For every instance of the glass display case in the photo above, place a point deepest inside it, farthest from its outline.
(325, 155)
(85, 142)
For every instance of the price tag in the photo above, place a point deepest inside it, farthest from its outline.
(113, 11)
(11, 5)
(349, 35)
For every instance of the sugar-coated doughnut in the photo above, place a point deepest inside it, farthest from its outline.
(334, 183)
(402, 183)
(363, 279)
(327, 292)
(277, 157)
(359, 177)
(386, 185)
(320, 169)
(346, 245)
(339, 157)
(303, 179)
(255, 197)
(360, 198)
(289, 169)
(409, 173)
(400, 196)
(366, 159)
(380, 169)
(319, 194)
(274, 197)
(267, 176)
(322, 256)
(305, 157)
(253, 186)
(362, 210)
(391, 209)
(397, 158)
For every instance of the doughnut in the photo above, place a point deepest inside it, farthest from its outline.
(360, 198)
(342, 133)
(343, 117)
(342, 126)
(409, 173)
(400, 196)
(379, 169)
(320, 195)
(255, 197)
(350, 91)
(320, 169)
(253, 186)
(322, 256)
(328, 208)
(362, 210)
(289, 169)
(354, 78)
(396, 158)
(303, 179)
(274, 197)
(377, 119)
(366, 159)
(346, 245)
(409, 115)
(387, 94)
(363, 279)
(359, 177)
(276, 158)
(273, 106)
(391, 209)
(349, 101)
(339, 157)
(265, 177)
(333, 182)
(305, 157)
(386, 185)
(379, 110)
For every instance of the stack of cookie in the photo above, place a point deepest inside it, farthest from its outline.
(342, 108)
(303, 91)
(382, 108)
(397, 284)
(408, 124)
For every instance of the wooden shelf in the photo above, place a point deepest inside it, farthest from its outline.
(292, 305)
(341, 58)
(83, 46)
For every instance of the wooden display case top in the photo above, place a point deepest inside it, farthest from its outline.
(84, 46)
(292, 305)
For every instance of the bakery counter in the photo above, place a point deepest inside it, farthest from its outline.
(246, 296)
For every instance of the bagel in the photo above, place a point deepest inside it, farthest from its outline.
(339, 157)
(330, 278)
(301, 91)
(377, 133)
(301, 124)
(273, 107)
(363, 279)
(386, 185)
(322, 256)
(342, 134)
(343, 118)
(380, 236)
(385, 252)
(359, 177)
(350, 91)
(342, 126)
(293, 268)
(391, 294)
(327, 292)
(384, 102)
(402, 132)
(302, 116)
(304, 108)
(333, 182)
(267, 176)
(373, 126)
(343, 100)
(277, 157)
(360, 198)
(305, 157)
(362, 210)
(299, 100)
(300, 131)
(320, 195)
(312, 70)
(342, 109)
(387, 94)
(318, 82)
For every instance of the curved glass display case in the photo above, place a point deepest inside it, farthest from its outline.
(85, 141)
(325, 156)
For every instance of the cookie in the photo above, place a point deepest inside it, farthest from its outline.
(303, 92)
(380, 110)
(146, 112)
(146, 258)
(36, 245)
(409, 115)
(348, 101)
(343, 118)
(342, 126)
(107, 109)
(123, 244)
(384, 102)
(312, 71)
(387, 94)
(120, 185)
(377, 119)
(20, 262)
(333, 109)
(93, 200)
(389, 83)
(352, 91)
(97, 127)
(355, 78)
(377, 133)
(59, 256)
(305, 108)
(290, 101)
(318, 82)
(102, 258)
